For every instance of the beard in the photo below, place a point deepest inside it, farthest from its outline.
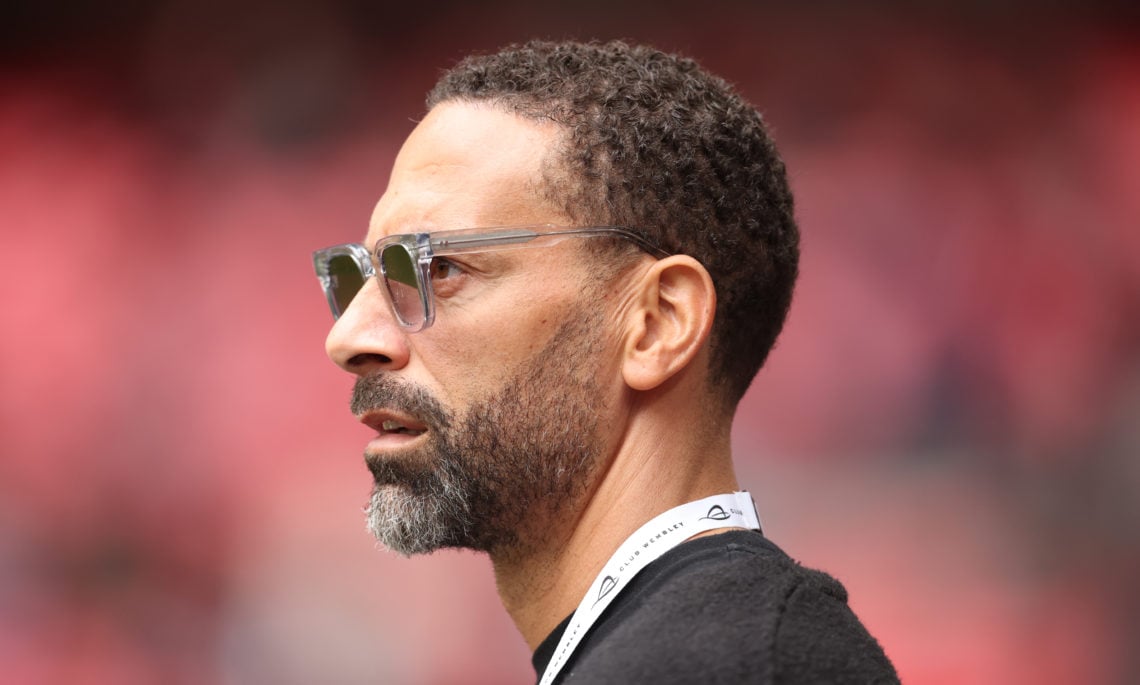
(505, 466)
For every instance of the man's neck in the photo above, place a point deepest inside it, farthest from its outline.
(542, 585)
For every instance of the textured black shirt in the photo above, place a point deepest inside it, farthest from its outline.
(729, 608)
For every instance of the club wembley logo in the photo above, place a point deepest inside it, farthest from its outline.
(607, 586)
(716, 513)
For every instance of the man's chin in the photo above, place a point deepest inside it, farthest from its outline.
(409, 523)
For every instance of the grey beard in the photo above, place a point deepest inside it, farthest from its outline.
(411, 523)
(521, 454)
(405, 523)
(415, 508)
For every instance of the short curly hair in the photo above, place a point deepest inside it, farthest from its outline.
(657, 144)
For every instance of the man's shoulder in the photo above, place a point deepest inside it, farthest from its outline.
(731, 566)
(731, 607)
(735, 587)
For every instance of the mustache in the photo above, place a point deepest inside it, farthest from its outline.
(382, 391)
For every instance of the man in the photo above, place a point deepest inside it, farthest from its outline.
(582, 258)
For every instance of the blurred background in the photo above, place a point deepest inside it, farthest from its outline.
(950, 423)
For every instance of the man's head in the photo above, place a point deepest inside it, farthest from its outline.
(494, 418)
(650, 141)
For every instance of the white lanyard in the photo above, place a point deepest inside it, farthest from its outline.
(648, 542)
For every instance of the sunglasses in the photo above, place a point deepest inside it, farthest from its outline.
(403, 263)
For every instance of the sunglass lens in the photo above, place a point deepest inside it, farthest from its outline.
(345, 280)
(400, 277)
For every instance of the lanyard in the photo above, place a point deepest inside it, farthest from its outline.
(658, 536)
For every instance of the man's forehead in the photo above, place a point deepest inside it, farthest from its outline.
(467, 165)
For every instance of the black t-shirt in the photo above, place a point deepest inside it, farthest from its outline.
(729, 608)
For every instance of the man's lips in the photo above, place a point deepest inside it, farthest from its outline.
(391, 423)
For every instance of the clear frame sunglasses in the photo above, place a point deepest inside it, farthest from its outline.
(402, 263)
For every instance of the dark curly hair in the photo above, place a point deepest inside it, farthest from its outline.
(656, 144)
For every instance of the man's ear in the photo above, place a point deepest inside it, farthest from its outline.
(669, 322)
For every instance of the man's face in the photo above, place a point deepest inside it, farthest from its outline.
(488, 422)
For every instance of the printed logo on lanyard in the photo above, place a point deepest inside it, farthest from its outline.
(650, 541)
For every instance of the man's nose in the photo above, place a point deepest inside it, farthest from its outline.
(367, 337)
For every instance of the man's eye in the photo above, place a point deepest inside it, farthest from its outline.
(442, 268)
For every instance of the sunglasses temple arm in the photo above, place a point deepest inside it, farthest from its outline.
(511, 238)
